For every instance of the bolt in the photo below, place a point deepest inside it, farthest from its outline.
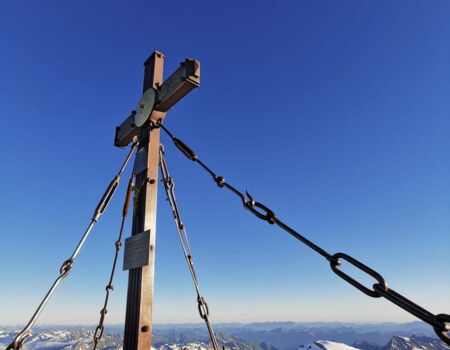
(144, 329)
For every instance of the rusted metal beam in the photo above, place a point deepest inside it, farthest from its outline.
(140, 247)
(126, 132)
(138, 319)
(178, 85)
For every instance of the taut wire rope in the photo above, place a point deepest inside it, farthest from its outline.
(109, 287)
(169, 186)
(439, 322)
(68, 264)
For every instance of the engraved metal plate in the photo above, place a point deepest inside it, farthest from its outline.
(140, 161)
(137, 251)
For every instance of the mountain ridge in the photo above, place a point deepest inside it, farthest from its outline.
(259, 336)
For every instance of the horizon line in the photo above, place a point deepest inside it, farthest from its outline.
(220, 323)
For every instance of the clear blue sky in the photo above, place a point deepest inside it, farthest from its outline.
(333, 113)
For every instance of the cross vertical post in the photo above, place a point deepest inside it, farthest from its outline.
(139, 255)
(138, 319)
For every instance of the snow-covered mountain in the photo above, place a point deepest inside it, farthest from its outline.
(396, 343)
(326, 345)
(81, 339)
(415, 343)
(70, 339)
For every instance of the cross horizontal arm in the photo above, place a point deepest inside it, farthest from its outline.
(178, 85)
(126, 131)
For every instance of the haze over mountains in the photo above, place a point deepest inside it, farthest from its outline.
(254, 336)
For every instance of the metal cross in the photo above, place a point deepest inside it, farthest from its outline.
(139, 256)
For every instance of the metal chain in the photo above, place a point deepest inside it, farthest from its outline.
(169, 186)
(99, 330)
(440, 322)
(68, 264)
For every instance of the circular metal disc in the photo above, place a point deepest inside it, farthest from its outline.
(144, 107)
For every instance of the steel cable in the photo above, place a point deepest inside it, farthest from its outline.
(440, 322)
(99, 330)
(67, 265)
(169, 186)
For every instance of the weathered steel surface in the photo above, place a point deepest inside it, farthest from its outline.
(125, 132)
(140, 161)
(153, 74)
(179, 84)
(136, 253)
(138, 319)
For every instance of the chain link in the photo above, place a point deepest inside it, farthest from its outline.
(67, 265)
(169, 186)
(109, 287)
(440, 323)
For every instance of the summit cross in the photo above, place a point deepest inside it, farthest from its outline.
(139, 256)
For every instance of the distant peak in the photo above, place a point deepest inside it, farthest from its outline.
(326, 345)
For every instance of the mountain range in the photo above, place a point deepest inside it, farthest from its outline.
(254, 336)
